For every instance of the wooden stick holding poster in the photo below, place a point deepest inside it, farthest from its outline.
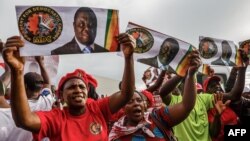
(67, 30)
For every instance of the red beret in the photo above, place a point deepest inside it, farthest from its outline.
(92, 80)
(149, 96)
(78, 73)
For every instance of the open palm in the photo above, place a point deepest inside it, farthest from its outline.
(218, 103)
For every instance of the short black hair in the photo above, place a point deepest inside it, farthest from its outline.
(90, 12)
(33, 81)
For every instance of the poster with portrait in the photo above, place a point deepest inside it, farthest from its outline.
(245, 45)
(51, 30)
(150, 76)
(217, 51)
(160, 50)
(51, 65)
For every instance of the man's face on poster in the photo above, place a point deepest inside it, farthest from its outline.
(226, 51)
(205, 46)
(85, 28)
(165, 50)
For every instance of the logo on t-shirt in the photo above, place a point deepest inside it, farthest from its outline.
(40, 25)
(95, 128)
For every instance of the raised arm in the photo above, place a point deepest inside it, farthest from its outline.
(21, 112)
(239, 85)
(181, 110)
(158, 82)
(231, 79)
(118, 100)
(44, 73)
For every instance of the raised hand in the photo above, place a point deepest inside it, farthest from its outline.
(127, 43)
(218, 103)
(195, 62)
(11, 53)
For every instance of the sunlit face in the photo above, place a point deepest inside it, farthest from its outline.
(75, 93)
(165, 48)
(134, 109)
(85, 28)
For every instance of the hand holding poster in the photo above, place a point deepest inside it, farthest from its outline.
(159, 50)
(245, 45)
(67, 30)
(217, 52)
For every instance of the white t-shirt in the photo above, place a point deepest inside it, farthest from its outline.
(8, 129)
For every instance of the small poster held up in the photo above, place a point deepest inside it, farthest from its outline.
(67, 30)
(217, 52)
(160, 50)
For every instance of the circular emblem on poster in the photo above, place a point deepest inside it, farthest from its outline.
(40, 25)
(207, 48)
(144, 39)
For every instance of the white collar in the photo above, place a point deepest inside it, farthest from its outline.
(82, 46)
(160, 65)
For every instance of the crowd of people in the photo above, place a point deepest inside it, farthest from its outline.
(32, 109)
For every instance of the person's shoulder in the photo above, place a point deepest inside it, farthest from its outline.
(217, 62)
(147, 59)
(205, 96)
(66, 48)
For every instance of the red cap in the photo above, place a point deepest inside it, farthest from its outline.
(149, 96)
(198, 86)
(78, 73)
(92, 80)
(209, 79)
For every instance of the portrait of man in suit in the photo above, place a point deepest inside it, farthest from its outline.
(85, 26)
(207, 48)
(224, 59)
(168, 50)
